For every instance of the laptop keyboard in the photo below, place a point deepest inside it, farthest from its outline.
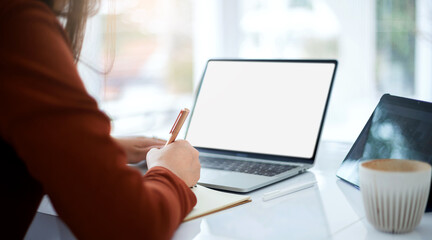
(257, 168)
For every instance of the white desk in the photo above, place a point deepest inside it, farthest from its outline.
(330, 210)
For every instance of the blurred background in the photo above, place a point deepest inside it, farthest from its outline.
(161, 48)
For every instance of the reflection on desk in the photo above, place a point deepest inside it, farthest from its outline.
(290, 216)
(332, 209)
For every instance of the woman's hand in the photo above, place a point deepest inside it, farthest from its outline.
(179, 157)
(136, 148)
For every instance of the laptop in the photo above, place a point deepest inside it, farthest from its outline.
(257, 122)
(399, 128)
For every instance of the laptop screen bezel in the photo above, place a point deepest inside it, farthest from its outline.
(259, 155)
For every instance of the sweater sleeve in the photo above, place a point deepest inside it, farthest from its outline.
(56, 128)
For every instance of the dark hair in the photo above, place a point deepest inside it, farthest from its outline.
(74, 14)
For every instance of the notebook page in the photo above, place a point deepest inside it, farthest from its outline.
(210, 201)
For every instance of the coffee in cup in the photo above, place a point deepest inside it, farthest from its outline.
(395, 193)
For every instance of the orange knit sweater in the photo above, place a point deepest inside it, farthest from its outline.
(55, 141)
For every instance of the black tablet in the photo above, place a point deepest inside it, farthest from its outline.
(399, 128)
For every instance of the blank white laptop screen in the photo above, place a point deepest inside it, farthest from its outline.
(266, 107)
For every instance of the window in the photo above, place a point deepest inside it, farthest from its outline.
(382, 46)
(395, 44)
(151, 79)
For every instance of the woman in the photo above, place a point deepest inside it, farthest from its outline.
(55, 141)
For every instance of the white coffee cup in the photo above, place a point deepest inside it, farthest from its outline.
(395, 193)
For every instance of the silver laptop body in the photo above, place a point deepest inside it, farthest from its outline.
(256, 122)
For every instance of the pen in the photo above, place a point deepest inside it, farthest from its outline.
(282, 192)
(177, 125)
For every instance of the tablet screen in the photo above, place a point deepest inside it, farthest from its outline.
(399, 128)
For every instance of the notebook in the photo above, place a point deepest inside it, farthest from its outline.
(256, 122)
(210, 201)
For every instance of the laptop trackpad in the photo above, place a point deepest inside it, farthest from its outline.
(232, 181)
